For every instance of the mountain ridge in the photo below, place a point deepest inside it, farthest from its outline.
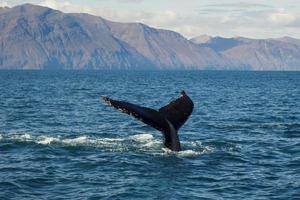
(261, 54)
(36, 37)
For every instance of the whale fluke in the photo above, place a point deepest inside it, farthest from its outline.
(168, 119)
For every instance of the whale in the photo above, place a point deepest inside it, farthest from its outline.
(167, 119)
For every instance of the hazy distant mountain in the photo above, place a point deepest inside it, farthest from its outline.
(35, 37)
(258, 54)
(217, 43)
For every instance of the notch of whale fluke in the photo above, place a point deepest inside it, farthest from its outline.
(168, 119)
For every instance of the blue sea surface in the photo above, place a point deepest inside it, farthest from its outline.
(58, 140)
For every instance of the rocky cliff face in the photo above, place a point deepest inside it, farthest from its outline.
(166, 49)
(35, 37)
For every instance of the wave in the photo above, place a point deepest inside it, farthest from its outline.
(144, 142)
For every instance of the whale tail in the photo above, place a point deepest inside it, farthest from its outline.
(168, 119)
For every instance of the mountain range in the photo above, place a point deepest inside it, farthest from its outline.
(36, 37)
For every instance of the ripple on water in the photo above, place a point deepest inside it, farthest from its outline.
(58, 141)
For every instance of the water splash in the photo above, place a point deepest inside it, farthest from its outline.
(144, 142)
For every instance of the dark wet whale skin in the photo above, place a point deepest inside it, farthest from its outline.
(167, 119)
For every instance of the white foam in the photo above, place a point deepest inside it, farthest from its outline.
(146, 142)
(188, 153)
(78, 140)
(207, 149)
(19, 137)
(46, 140)
(184, 153)
(154, 143)
(105, 142)
(25, 136)
(141, 137)
(196, 143)
(141, 142)
(167, 151)
(111, 139)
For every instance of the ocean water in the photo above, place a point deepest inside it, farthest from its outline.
(59, 141)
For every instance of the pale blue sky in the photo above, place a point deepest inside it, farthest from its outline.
(258, 19)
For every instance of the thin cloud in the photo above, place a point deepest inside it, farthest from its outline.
(239, 5)
(231, 7)
(130, 1)
(5, 4)
(67, 6)
(231, 19)
(282, 18)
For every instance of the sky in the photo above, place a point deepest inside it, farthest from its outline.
(191, 18)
